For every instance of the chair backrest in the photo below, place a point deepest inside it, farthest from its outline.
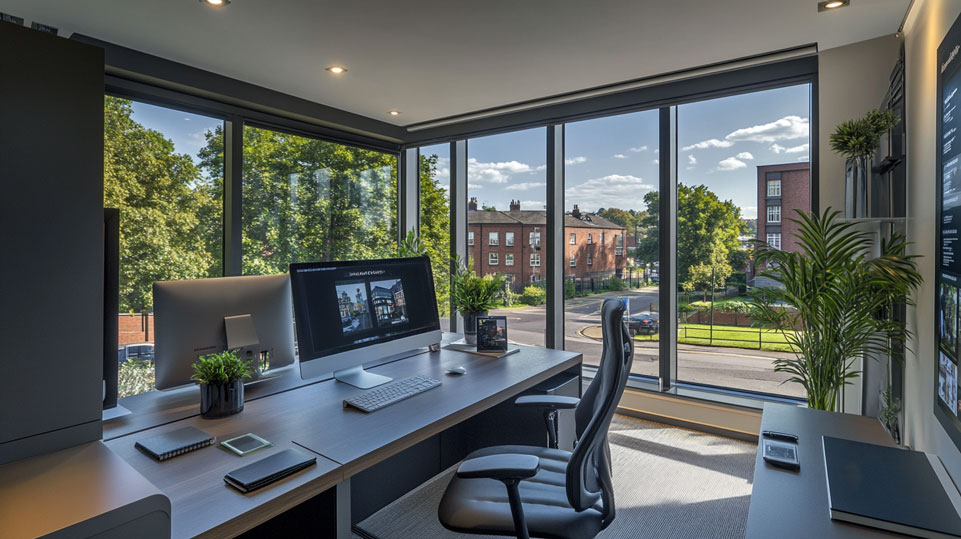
(589, 470)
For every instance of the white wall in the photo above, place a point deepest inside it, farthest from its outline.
(926, 26)
(851, 81)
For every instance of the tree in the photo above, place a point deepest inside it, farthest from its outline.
(711, 275)
(702, 218)
(435, 229)
(167, 208)
(625, 218)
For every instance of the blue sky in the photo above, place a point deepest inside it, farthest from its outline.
(611, 162)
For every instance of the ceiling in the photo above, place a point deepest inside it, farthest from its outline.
(432, 59)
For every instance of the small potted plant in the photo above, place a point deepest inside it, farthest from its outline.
(857, 140)
(473, 296)
(221, 376)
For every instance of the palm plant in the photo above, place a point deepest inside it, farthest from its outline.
(838, 298)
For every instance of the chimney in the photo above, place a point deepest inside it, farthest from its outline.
(472, 205)
(515, 205)
(576, 214)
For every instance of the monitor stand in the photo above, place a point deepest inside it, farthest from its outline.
(359, 378)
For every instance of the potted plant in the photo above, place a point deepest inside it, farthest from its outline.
(834, 302)
(473, 296)
(857, 140)
(221, 376)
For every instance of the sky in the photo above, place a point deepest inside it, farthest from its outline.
(610, 162)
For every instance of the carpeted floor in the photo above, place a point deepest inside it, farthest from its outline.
(668, 482)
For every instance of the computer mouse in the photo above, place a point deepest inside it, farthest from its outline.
(457, 370)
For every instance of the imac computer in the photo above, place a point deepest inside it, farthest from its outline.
(197, 317)
(351, 313)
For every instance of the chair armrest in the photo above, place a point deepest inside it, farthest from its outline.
(507, 467)
(557, 402)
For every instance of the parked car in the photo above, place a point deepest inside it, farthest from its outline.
(142, 350)
(643, 323)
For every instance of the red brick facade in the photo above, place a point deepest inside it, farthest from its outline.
(795, 194)
(514, 243)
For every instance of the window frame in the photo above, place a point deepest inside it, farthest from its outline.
(573, 239)
(509, 259)
(573, 262)
(535, 260)
(493, 259)
(508, 239)
(493, 239)
(772, 183)
(775, 210)
(470, 238)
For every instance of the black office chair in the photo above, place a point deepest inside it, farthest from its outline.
(549, 492)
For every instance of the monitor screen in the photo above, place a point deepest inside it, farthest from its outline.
(343, 306)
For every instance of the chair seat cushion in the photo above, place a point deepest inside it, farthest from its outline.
(481, 506)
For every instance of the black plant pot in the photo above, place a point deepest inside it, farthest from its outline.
(221, 400)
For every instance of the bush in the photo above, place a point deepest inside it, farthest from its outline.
(616, 284)
(569, 290)
(136, 376)
(533, 295)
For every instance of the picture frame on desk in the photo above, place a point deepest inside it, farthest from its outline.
(492, 334)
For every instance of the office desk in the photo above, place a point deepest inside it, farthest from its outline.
(347, 442)
(787, 504)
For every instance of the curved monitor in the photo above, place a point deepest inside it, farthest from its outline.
(189, 321)
(351, 313)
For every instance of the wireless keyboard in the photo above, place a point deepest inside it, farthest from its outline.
(391, 392)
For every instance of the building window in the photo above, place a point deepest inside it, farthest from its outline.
(509, 239)
(774, 214)
(492, 259)
(535, 260)
(535, 239)
(509, 277)
(619, 245)
(774, 188)
(590, 261)
(509, 259)
(535, 278)
(470, 239)
(774, 240)
(493, 238)
(573, 240)
(602, 238)
(573, 260)
(590, 240)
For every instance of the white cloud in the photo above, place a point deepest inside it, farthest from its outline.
(745, 155)
(498, 172)
(614, 190)
(575, 160)
(474, 186)
(691, 160)
(620, 156)
(656, 161)
(524, 186)
(731, 163)
(711, 143)
(639, 149)
(777, 148)
(749, 212)
(803, 158)
(787, 128)
(657, 151)
(533, 205)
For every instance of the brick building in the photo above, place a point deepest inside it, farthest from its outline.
(513, 243)
(781, 189)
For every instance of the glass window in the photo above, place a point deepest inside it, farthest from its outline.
(535, 239)
(493, 238)
(590, 261)
(573, 240)
(590, 240)
(774, 214)
(435, 220)
(774, 188)
(509, 260)
(611, 176)
(307, 199)
(492, 259)
(729, 149)
(470, 238)
(535, 260)
(163, 169)
(602, 238)
(774, 240)
(509, 239)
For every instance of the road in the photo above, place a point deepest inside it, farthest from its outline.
(751, 370)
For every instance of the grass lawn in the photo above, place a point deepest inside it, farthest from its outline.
(730, 336)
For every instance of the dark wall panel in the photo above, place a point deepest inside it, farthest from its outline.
(51, 222)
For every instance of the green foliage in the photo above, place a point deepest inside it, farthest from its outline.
(840, 302)
(569, 289)
(135, 376)
(411, 246)
(861, 136)
(616, 284)
(626, 218)
(533, 295)
(435, 229)
(473, 294)
(702, 219)
(890, 413)
(220, 368)
(712, 274)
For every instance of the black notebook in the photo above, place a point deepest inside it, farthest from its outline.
(267, 470)
(888, 488)
(177, 442)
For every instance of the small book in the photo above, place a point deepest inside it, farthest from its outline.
(267, 470)
(177, 442)
(887, 487)
(471, 349)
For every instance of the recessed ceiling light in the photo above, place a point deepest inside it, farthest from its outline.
(217, 3)
(828, 5)
(394, 113)
(337, 70)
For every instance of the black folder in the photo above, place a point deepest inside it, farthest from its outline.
(887, 487)
(267, 470)
(178, 442)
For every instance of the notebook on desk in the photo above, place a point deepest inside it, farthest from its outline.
(887, 487)
(173, 443)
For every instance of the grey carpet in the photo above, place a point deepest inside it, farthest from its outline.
(668, 482)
